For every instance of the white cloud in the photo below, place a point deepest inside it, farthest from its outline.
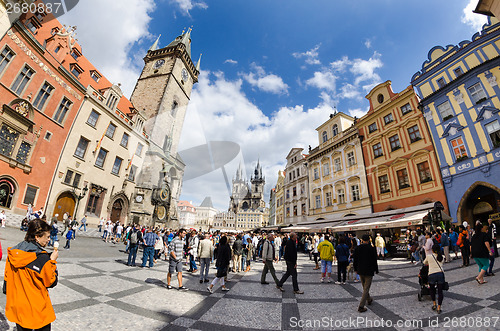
(323, 80)
(107, 44)
(220, 111)
(364, 70)
(231, 61)
(187, 5)
(340, 65)
(311, 55)
(476, 21)
(358, 112)
(368, 43)
(265, 82)
(349, 91)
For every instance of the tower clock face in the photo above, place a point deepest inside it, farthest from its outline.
(184, 74)
(158, 64)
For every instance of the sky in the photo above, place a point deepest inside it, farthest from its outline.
(272, 71)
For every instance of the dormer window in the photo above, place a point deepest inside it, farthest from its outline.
(95, 75)
(54, 31)
(33, 26)
(112, 100)
(75, 54)
(40, 16)
(76, 70)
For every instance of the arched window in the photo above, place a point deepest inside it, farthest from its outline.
(335, 130)
(325, 136)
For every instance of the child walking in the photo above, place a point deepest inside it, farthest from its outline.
(69, 236)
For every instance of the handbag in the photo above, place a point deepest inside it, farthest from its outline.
(446, 286)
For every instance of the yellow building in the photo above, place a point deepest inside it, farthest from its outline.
(280, 198)
(337, 179)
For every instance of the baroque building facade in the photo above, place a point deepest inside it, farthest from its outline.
(337, 178)
(401, 165)
(280, 198)
(296, 187)
(459, 89)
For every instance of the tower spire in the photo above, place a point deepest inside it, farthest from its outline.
(186, 40)
(199, 63)
(154, 47)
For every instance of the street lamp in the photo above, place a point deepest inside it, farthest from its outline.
(79, 197)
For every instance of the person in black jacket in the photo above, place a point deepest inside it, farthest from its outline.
(365, 264)
(222, 264)
(291, 265)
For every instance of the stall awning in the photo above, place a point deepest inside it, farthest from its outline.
(302, 228)
(383, 222)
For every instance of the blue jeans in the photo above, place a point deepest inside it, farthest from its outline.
(148, 255)
(192, 263)
(243, 262)
(84, 227)
(281, 252)
(492, 262)
(52, 240)
(205, 265)
(105, 234)
(132, 255)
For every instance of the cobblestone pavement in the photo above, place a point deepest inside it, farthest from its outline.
(97, 291)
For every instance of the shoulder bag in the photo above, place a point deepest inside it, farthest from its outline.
(446, 286)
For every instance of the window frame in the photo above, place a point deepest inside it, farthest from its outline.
(119, 166)
(4, 60)
(424, 173)
(335, 130)
(21, 83)
(84, 150)
(100, 164)
(395, 142)
(388, 119)
(324, 137)
(28, 186)
(378, 151)
(62, 110)
(356, 195)
(109, 134)
(414, 134)
(403, 178)
(351, 159)
(94, 123)
(495, 135)
(405, 109)
(341, 196)
(479, 95)
(445, 114)
(372, 127)
(465, 154)
(384, 185)
(125, 134)
(43, 95)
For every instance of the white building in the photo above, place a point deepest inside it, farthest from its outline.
(224, 221)
(296, 188)
(205, 214)
(187, 214)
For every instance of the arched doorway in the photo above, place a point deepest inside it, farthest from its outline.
(480, 201)
(116, 210)
(7, 190)
(65, 204)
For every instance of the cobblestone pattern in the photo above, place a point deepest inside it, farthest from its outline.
(97, 291)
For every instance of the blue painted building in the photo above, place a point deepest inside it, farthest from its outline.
(458, 87)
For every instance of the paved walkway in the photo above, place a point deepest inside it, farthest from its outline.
(97, 291)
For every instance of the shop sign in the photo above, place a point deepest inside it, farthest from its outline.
(495, 217)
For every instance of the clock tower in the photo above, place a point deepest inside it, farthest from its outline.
(161, 95)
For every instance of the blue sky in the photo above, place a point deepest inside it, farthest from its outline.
(272, 71)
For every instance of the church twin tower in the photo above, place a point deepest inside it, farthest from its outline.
(245, 196)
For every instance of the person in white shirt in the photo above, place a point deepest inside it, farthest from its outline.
(277, 243)
(101, 223)
(3, 218)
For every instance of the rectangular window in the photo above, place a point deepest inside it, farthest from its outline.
(459, 148)
(93, 117)
(131, 175)
(68, 177)
(92, 204)
(76, 70)
(287, 194)
(406, 109)
(326, 169)
(124, 141)
(287, 211)
(441, 82)
(424, 172)
(116, 166)
(383, 182)
(394, 140)
(337, 164)
(23, 153)
(355, 192)
(318, 201)
(377, 150)
(62, 110)
(8, 139)
(445, 110)
(294, 190)
(31, 27)
(138, 151)
(458, 71)
(95, 76)
(351, 160)
(5, 58)
(30, 195)
(43, 95)
(403, 179)
(75, 55)
(76, 181)
(388, 119)
(372, 127)
(414, 133)
(328, 198)
(81, 149)
(22, 80)
(316, 173)
(493, 130)
(341, 195)
(110, 132)
(477, 93)
(101, 157)
(294, 210)
(303, 210)
(302, 189)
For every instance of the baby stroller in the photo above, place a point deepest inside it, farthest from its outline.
(423, 280)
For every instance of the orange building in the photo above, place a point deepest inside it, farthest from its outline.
(39, 96)
(401, 165)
